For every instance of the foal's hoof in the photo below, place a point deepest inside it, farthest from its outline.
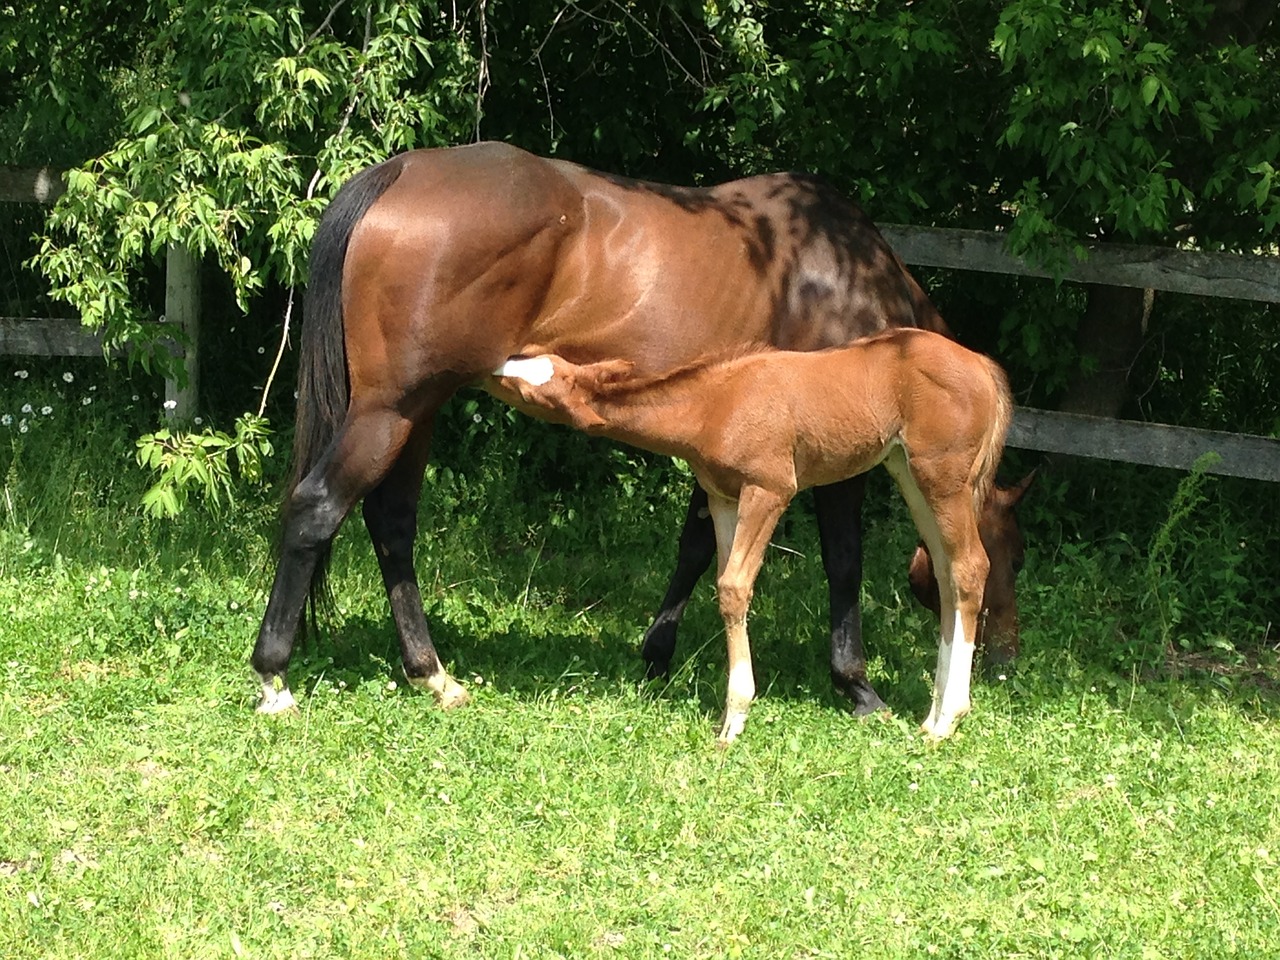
(733, 724)
(939, 726)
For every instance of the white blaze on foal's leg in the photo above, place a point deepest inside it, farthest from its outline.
(951, 683)
(535, 370)
(742, 690)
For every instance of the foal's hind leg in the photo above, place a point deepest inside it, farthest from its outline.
(839, 511)
(363, 451)
(946, 518)
(391, 516)
(696, 551)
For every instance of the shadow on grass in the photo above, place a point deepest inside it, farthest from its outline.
(531, 663)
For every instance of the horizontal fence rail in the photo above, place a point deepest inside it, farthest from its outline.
(1151, 444)
(1228, 275)
(1234, 275)
(22, 337)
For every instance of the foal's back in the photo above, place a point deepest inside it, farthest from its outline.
(827, 415)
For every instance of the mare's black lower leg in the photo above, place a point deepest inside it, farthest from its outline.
(839, 512)
(697, 550)
(312, 518)
(391, 516)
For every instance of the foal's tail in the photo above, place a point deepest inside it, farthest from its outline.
(988, 460)
(323, 390)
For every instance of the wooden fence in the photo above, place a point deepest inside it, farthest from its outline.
(1255, 278)
(1235, 276)
(63, 337)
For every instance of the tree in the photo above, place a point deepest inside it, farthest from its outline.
(224, 126)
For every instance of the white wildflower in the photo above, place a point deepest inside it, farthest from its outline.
(86, 401)
(22, 427)
(21, 374)
(26, 408)
(262, 349)
(171, 404)
(198, 421)
(46, 410)
(6, 420)
(67, 377)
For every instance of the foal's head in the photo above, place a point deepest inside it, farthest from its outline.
(1002, 539)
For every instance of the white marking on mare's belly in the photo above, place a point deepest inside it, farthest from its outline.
(536, 370)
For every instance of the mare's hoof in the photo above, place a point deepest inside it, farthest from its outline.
(276, 701)
(454, 695)
(657, 669)
(864, 698)
(448, 692)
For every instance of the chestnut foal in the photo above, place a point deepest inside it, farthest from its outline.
(756, 428)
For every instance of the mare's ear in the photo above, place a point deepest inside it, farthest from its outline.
(924, 585)
(1012, 496)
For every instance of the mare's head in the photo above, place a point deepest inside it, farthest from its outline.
(1001, 537)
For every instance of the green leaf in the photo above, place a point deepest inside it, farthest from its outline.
(1150, 87)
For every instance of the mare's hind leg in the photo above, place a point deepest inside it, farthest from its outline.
(363, 451)
(391, 516)
(839, 512)
(696, 551)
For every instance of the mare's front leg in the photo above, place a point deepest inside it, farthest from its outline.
(839, 512)
(742, 533)
(391, 516)
(696, 551)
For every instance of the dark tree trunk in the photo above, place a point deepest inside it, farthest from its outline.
(1109, 337)
(1241, 20)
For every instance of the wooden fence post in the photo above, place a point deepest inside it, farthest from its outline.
(182, 306)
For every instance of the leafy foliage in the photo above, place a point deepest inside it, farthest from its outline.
(222, 127)
(206, 462)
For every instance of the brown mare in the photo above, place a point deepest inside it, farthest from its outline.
(431, 269)
(757, 428)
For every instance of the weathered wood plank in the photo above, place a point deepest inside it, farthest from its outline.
(182, 307)
(31, 184)
(1153, 444)
(48, 338)
(1178, 271)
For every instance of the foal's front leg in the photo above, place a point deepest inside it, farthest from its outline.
(742, 533)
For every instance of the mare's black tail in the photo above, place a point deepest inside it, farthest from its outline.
(323, 389)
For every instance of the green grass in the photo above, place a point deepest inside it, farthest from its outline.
(1092, 805)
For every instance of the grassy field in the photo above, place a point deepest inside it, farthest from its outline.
(1103, 800)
